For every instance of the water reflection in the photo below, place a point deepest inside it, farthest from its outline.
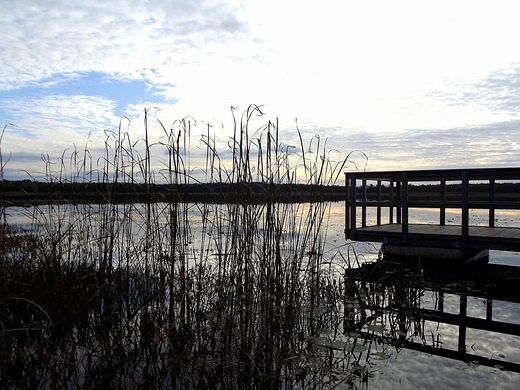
(461, 333)
(377, 326)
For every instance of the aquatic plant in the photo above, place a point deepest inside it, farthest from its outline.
(154, 292)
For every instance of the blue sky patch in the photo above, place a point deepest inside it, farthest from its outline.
(122, 92)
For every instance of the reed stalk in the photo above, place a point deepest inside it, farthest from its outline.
(153, 292)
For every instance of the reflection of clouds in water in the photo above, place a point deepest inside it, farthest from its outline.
(503, 257)
(499, 344)
(493, 345)
(409, 369)
(415, 370)
(440, 335)
(431, 300)
(406, 369)
(506, 311)
(476, 307)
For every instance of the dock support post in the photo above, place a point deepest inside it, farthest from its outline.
(404, 207)
(391, 211)
(465, 210)
(442, 219)
(378, 209)
(491, 200)
(347, 207)
(353, 195)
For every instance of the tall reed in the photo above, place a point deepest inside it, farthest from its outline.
(151, 291)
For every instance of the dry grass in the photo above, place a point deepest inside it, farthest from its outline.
(171, 294)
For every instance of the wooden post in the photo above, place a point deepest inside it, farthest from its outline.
(378, 216)
(404, 206)
(398, 196)
(442, 220)
(465, 210)
(391, 211)
(353, 210)
(364, 199)
(462, 326)
(491, 200)
(347, 206)
(489, 310)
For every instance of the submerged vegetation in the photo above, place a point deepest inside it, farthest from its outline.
(133, 293)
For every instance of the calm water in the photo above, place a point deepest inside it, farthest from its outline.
(387, 351)
(397, 367)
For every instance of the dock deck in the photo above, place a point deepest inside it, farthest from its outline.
(397, 192)
(446, 236)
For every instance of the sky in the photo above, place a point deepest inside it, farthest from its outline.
(408, 84)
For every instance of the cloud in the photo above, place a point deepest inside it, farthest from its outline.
(499, 91)
(410, 85)
(52, 125)
(121, 38)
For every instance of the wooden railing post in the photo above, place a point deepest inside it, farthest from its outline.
(465, 209)
(442, 219)
(491, 200)
(404, 206)
(364, 199)
(353, 211)
(391, 211)
(398, 196)
(347, 206)
(378, 209)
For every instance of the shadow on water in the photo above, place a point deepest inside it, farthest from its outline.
(396, 307)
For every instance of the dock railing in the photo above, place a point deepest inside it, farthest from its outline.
(394, 192)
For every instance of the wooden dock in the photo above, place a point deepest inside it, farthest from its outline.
(391, 195)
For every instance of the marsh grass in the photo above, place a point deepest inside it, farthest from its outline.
(126, 294)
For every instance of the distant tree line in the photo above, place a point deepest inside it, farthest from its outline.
(21, 192)
(30, 192)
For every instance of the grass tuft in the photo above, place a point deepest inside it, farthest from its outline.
(154, 292)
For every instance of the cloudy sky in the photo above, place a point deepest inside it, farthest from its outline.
(412, 84)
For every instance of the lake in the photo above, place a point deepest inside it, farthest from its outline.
(398, 331)
(404, 368)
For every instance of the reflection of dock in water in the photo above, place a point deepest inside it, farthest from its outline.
(393, 297)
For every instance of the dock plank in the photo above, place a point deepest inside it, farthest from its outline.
(505, 238)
